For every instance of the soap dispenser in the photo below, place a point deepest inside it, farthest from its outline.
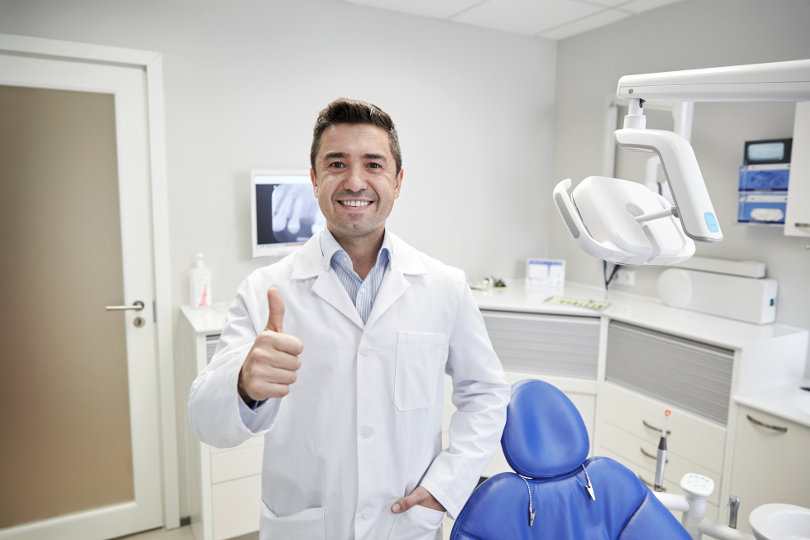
(199, 278)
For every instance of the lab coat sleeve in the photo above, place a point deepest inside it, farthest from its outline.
(481, 394)
(217, 413)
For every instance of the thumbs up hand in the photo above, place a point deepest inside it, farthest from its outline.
(271, 365)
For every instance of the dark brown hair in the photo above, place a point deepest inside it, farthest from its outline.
(353, 111)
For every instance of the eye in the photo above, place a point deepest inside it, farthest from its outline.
(373, 165)
(336, 165)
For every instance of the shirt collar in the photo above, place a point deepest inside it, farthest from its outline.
(331, 250)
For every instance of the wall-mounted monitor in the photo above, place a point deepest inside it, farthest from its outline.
(284, 211)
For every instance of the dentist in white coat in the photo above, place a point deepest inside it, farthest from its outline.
(336, 355)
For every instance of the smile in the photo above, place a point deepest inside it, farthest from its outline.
(355, 203)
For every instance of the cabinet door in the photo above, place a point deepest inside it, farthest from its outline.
(559, 346)
(797, 215)
(692, 375)
(769, 463)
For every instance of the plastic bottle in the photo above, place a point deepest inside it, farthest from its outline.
(199, 279)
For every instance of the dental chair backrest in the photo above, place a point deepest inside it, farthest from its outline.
(546, 443)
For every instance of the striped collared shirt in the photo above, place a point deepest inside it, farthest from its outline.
(363, 292)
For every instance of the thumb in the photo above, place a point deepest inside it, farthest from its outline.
(406, 503)
(276, 304)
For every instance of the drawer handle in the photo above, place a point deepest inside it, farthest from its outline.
(652, 427)
(649, 455)
(649, 484)
(760, 423)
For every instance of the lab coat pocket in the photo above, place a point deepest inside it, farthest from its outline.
(420, 365)
(306, 524)
(417, 523)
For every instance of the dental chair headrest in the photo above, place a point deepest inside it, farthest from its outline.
(544, 434)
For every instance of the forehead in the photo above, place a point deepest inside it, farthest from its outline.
(355, 139)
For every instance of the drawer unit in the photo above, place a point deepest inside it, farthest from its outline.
(696, 439)
(671, 485)
(630, 428)
(223, 484)
(234, 463)
(236, 507)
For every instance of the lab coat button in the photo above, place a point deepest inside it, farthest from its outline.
(366, 432)
(367, 513)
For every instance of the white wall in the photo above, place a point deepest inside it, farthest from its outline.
(244, 82)
(690, 34)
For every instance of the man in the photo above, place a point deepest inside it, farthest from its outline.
(337, 355)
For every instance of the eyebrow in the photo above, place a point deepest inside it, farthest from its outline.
(344, 155)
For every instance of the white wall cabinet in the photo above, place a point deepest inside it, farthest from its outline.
(770, 461)
(797, 215)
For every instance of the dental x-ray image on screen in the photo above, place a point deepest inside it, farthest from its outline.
(285, 212)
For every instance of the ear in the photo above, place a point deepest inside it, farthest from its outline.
(398, 185)
(314, 181)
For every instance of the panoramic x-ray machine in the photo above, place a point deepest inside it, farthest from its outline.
(624, 222)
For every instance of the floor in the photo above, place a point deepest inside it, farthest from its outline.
(183, 533)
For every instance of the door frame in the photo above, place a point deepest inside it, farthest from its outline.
(152, 64)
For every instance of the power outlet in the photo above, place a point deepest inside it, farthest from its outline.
(626, 277)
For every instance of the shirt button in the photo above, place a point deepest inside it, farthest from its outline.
(367, 432)
(362, 290)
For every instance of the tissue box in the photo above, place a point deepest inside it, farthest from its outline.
(762, 207)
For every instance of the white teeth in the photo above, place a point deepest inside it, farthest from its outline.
(355, 203)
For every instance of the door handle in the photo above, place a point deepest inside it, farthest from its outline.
(137, 305)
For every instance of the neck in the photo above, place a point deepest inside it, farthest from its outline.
(361, 250)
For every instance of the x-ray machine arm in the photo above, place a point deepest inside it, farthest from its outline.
(614, 220)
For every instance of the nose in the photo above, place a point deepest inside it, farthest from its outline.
(355, 180)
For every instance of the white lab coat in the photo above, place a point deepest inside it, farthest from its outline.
(361, 426)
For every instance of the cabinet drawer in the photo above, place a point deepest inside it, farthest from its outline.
(232, 463)
(694, 438)
(670, 486)
(545, 345)
(642, 455)
(236, 507)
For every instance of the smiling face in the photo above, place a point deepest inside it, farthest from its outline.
(356, 181)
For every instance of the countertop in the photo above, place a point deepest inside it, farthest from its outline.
(785, 400)
(646, 311)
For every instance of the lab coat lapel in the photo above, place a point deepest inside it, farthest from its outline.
(329, 287)
(310, 263)
(404, 262)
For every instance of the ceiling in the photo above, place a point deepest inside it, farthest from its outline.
(551, 19)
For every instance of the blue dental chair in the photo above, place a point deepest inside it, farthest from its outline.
(558, 494)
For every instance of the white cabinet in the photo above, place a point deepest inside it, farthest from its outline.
(797, 216)
(560, 349)
(224, 485)
(770, 462)
(630, 429)
(695, 365)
